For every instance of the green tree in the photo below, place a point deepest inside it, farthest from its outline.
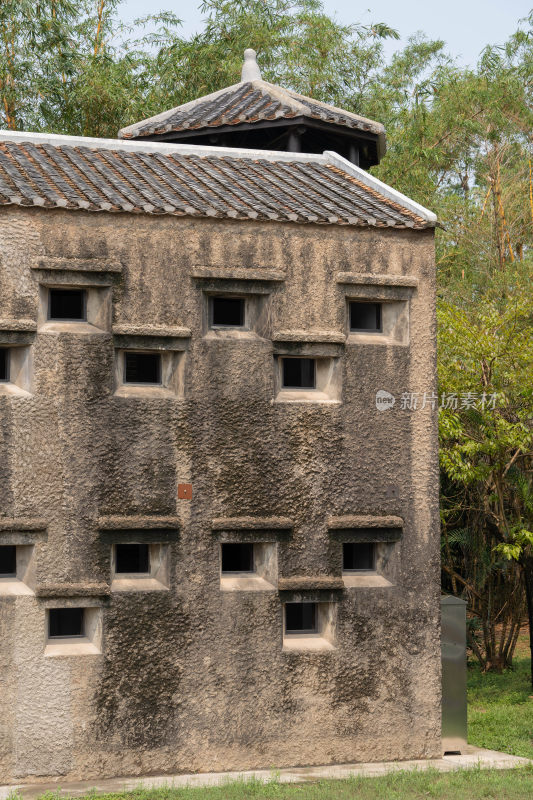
(30, 30)
(486, 448)
(299, 46)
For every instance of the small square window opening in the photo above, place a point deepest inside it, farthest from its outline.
(238, 557)
(132, 558)
(67, 304)
(8, 561)
(358, 556)
(227, 312)
(4, 364)
(301, 618)
(365, 317)
(299, 373)
(66, 623)
(142, 368)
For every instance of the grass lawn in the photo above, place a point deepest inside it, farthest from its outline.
(464, 785)
(500, 707)
(500, 718)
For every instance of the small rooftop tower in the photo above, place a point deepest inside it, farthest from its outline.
(256, 114)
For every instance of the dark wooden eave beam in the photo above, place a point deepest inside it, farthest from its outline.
(309, 123)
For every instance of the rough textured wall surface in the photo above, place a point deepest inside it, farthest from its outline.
(195, 678)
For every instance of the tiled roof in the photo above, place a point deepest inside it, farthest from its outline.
(187, 180)
(249, 101)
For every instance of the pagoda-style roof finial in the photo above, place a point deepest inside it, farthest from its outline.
(250, 69)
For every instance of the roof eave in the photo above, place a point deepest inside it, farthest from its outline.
(383, 188)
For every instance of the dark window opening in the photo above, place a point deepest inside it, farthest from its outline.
(8, 561)
(132, 558)
(299, 373)
(365, 316)
(4, 364)
(238, 557)
(67, 304)
(142, 368)
(227, 311)
(358, 555)
(66, 622)
(301, 618)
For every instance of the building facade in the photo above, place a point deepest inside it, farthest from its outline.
(219, 540)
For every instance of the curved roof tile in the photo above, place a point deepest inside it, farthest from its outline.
(246, 102)
(187, 180)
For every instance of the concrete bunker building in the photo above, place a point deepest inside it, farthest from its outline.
(218, 550)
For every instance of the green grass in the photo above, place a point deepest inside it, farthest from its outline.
(473, 784)
(500, 707)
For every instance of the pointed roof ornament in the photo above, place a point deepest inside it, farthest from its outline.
(250, 69)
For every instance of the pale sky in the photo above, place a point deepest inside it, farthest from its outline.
(466, 25)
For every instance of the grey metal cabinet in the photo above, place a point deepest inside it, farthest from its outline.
(453, 646)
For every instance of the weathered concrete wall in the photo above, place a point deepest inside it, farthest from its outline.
(194, 678)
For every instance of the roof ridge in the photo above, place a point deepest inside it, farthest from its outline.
(188, 106)
(338, 109)
(165, 148)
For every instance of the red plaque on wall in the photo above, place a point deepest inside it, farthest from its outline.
(184, 491)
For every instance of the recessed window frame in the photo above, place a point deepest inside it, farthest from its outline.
(132, 351)
(97, 297)
(52, 289)
(321, 635)
(314, 629)
(13, 549)
(295, 388)
(264, 575)
(157, 579)
(7, 364)
(250, 546)
(22, 580)
(18, 377)
(394, 303)
(133, 573)
(379, 316)
(385, 536)
(242, 325)
(172, 367)
(52, 612)
(87, 642)
(327, 378)
(372, 570)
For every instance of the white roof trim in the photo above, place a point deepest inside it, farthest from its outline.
(165, 148)
(379, 186)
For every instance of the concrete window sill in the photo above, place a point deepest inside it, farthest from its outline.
(12, 390)
(82, 328)
(311, 396)
(245, 583)
(237, 334)
(364, 580)
(145, 584)
(10, 587)
(306, 641)
(71, 647)
(374, 338)
(145, 392)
